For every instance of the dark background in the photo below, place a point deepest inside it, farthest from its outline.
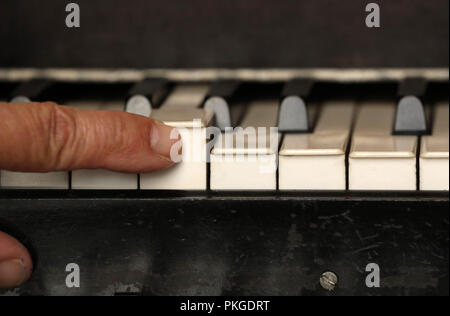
(224, 33)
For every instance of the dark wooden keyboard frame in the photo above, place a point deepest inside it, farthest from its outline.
(233, 243)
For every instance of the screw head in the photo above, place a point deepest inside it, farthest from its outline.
(328, 280)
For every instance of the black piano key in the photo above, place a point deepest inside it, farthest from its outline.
(5, 90)
(410, 116)
(299, 87)
(32, 90)
(412, 86)
(223, 100)
(224, 88)
(146, 95)
(293, 114)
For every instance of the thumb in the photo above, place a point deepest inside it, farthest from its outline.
(15, 262)
(42, 137)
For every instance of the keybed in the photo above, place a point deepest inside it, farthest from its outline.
(349, 144)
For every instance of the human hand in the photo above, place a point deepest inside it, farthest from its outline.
(45, 137)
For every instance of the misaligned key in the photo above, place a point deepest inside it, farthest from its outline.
(293, 115)
(410, 116)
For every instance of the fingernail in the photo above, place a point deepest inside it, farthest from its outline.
(12, 273)
(162, 138)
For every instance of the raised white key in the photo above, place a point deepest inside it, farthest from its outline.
(102, 179)
(378, 160)
(316, 161)
(248, 163)
(20, 180)
(191, 172)
(434, 157)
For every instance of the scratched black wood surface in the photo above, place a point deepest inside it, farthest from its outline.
(161, 243)
(229, 34)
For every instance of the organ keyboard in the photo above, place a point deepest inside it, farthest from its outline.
(353, 144)
(354, 174)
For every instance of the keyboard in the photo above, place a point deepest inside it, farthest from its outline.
(280, 181)
(296, 135)
(315, 147)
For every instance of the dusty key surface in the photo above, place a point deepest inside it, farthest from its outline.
(378, 160)
(250, 164)
(316, 161)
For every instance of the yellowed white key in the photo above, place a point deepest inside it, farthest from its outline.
(102, 179)
(378, 160)
(247, 160)
(181, 110)
(316, 161)
(21, 180)
(191, 172)
(434, 157)
(186, 95)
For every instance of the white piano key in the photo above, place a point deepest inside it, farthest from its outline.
(434, 156)
(20, 180)
(316, 161)
(102, 179)
(191, 172)
(181, 110)
(186, 96)
(378, 160)
(243, 165)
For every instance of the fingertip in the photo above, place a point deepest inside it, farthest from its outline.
(16, 264)
(163, 139)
